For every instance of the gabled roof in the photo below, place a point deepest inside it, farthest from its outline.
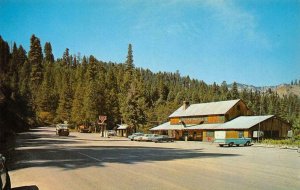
(122, 126)
(211, 108)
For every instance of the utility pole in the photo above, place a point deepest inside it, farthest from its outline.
(259, 115)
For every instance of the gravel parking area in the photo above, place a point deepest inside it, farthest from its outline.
(88, 161)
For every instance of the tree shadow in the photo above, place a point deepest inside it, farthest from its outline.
(68, 154)
(31, 187)
(98, 156)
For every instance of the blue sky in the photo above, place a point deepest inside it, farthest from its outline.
(252, 42)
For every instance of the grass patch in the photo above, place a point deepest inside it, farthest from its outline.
(283, 142)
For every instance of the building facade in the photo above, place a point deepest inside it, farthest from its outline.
(200, 121)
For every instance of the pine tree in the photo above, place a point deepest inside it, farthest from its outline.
(129, 62)
(35, 57)
(77, 111)
(24, 80)
(234, 91)
(133, 107)
(65, 100)
(91, 102)
(66, 61)
(46, 93)
(4, 58)
(22, 57)
(224, 91)
(13, 68)
(92, 69)
(49, 57)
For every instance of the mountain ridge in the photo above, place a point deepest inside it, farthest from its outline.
(281, 89)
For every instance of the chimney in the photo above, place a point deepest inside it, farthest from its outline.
(185, 105)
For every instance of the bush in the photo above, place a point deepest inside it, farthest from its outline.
(284, 142)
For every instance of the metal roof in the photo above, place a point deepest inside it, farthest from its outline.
(123, 126)
(242, 122)
(211, 108)
(167, 126)
(245, 122)
(206, 126)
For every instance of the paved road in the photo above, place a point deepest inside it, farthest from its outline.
(87, 161)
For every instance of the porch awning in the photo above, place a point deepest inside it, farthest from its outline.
(168, 126)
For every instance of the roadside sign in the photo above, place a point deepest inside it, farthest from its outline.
(102, 118)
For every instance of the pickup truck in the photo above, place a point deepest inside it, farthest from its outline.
(221, 139)
(234, 141)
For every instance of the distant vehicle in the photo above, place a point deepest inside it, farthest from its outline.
(163, 138)
(62, 130)
(221, 139)
(5, 183)
(84, 129)
(111, 133)
(131, 137)
(148, 137)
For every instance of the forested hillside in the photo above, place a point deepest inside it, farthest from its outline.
(79, 89)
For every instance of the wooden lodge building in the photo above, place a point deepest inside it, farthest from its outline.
(200, 121)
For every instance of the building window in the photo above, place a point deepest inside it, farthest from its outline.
(210, 134)
(241, 134)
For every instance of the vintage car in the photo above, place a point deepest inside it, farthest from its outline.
(148, 137)
(131, 137)
(84, 129)
(222, 139)
(163, 138)
(111, 133)
(62, 130)
(5, 179)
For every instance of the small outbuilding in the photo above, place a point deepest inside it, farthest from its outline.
(123, 130)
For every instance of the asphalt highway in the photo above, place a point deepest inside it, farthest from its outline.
(43, 161)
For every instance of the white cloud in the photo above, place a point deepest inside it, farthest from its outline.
(237, 21)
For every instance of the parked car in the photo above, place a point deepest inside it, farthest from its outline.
(148, 137)
(131, 137)
(5, 179)
(62, 129)
(163, 138)
(84, 129)
(138, 138)
(111, 133)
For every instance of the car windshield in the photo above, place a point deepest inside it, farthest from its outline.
(63, 125)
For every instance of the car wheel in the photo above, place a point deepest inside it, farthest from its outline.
(247, 143)
(221, 145)
(230, 144)
(8, 183)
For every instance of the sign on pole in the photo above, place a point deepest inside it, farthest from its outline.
(102, 119)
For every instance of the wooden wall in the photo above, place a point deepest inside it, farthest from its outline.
(272, 128)
(198, 120)
(240, 109)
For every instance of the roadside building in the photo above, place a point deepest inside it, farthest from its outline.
(200, 121)
(123, 130)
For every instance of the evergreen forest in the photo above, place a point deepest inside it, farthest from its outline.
(38, 89)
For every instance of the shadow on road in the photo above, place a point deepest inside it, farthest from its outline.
(49, 152)
(31, 187)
